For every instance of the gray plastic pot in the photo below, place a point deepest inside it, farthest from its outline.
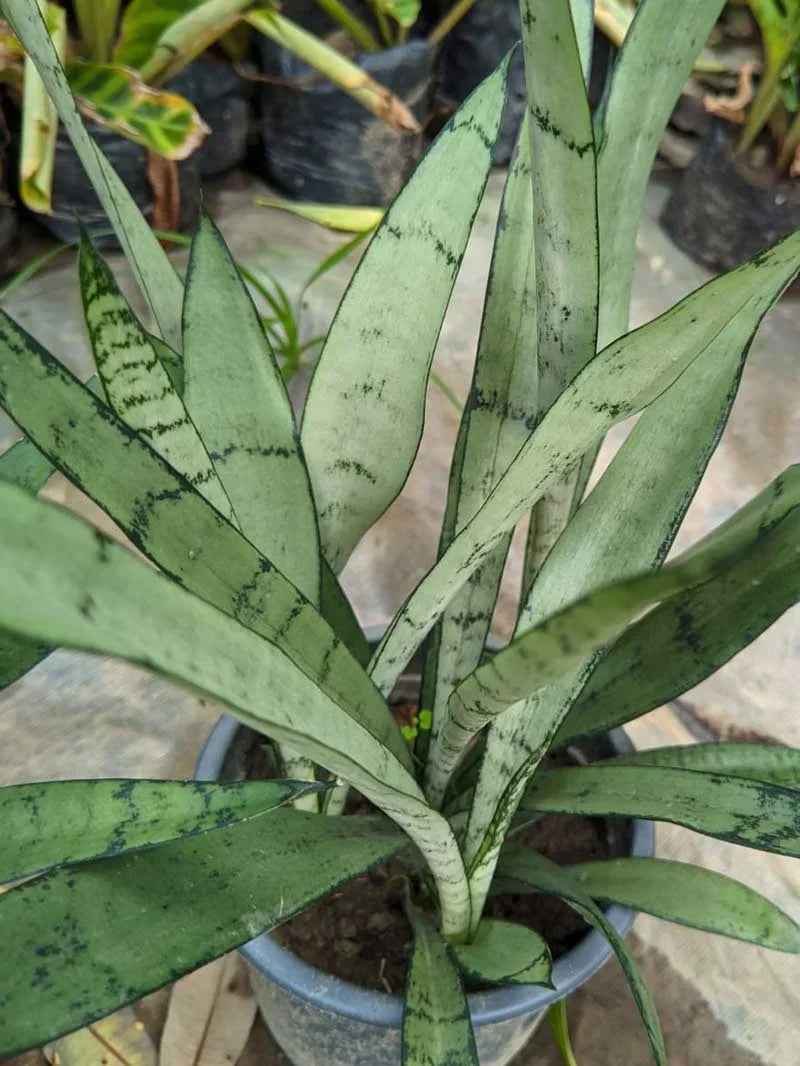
(320, 1020)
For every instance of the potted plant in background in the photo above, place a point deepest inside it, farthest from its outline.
(119, 887)
(741, 193)
(318, 146)
(117, 69)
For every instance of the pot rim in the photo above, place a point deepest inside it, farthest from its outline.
(340, 997)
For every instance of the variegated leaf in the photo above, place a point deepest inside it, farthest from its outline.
(137, 385)
(116, 97)
(364, 414)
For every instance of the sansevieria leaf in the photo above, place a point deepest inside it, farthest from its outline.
(171, 523)
(731, 808)
(769, 763)
(653, 661)
(539, 874)
(693, 896)
(436, 1023)
(622, 379)
(59, 823)
(94, 595)
(651, 70)
(500, 415)
(364, 413)
(564, 181)
(136, 384)
(626, 526)
(117, 98)
(506, 953)
(23, 465)
(109, 931)
(237, 399)
(155, 274)
(567, 638)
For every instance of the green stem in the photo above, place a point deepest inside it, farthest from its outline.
(449, 21)
(790, 144)
(557, 1019)
(358, 29)
(383, 25)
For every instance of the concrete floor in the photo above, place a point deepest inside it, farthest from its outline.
(78, 715)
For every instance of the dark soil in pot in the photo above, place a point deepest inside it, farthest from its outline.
(74, 198)
(360, 933)
(222, 96)
(725, 208)
(321, 145)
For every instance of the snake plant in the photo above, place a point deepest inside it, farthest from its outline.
(187, 440)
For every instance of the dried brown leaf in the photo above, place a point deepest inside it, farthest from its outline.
(210, 1016)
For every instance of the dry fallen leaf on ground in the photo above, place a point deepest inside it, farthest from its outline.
(120, 1039)
(210, 1016)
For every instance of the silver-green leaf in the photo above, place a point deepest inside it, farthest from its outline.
(236, 397)
(536, 872)
(364, 413)
(60, 823)
(692, 896)
(437, 1030)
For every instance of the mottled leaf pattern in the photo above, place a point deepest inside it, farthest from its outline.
(565, 223)
(649, 76)
(57, 823)
(538, 873)
(236, 398)
(682, 642)
(731, 808)
(97, 596)
(143, 22)
(170, 360)
(155, 274)
(772, 763)
(500, 415)
(505, 953)
(562, 641)
(78, 943)
(172, 524)
(363, 417)
(436, 1025)
(117, 98)
(136, 384)
(626, 525)
(693, 896)
(624, 378)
